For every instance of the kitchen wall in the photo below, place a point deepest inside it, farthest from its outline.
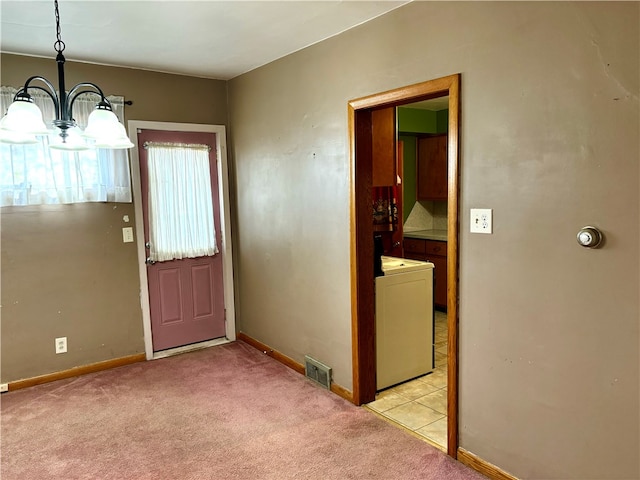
(442, 120)
(418, 120)
(419, 215)
(65, 270)
(549, 341)
(427, 215)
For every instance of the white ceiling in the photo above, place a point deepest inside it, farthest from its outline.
(211, 39)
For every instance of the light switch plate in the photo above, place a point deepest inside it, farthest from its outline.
(127, 234)
(481, 220)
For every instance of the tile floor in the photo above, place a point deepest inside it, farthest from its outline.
(421, 404)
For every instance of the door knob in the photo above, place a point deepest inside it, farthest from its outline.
(147, 245)
(148, 261)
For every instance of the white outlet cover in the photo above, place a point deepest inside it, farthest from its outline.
(61, 345)
(127, 234)
(481, 220)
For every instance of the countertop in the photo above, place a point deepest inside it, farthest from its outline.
(440, 235)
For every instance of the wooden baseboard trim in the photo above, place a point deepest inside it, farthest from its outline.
(482, 466)
(77, 371)
(291, 363)
(282, 358)
(342, 392)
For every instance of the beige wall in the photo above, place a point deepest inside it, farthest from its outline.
(65, 270)
(159, 97)
(549, 343)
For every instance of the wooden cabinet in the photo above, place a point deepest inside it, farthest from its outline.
(386, 156)
(432, 175)
(435, 252)
(414, 248)
(383, 146)
(440, 275)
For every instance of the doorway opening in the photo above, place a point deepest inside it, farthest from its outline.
(362, 234)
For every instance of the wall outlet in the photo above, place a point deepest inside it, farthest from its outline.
(481, 220)
(61, 345)
(4, 387)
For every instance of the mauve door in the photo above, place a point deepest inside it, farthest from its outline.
(186, 296)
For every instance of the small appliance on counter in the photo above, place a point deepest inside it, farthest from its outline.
(404, 321)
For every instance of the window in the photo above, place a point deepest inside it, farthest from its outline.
(181, 221)
(35, 175)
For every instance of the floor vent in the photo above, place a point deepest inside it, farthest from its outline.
(317, 371)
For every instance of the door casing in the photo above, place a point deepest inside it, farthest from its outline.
(362, 285)
(225, 223)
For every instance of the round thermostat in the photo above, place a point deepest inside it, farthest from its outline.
(589, 237)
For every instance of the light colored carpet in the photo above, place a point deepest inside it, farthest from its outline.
(227, 412)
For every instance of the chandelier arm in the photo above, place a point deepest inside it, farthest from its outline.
(74, 94)
(72, 99)
(51, 91)
(96, 89)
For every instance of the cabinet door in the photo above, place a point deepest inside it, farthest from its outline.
(414, 249)
(383, 152)
(432, 168)
(436, 253)
(440, 276)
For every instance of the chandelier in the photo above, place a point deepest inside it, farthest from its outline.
(23, 120)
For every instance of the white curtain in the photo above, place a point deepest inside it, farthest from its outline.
(35, 174)
(180, 201)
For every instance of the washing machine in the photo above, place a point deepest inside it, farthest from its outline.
(404, 321)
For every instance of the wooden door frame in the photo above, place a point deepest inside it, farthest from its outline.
(225, 224)
(361, 243)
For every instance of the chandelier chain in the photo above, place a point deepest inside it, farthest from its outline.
(23, 121)
(59, 45)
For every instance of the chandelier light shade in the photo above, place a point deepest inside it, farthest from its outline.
(24, 117)
(13, 137)
(23, 120)
(73, 142)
